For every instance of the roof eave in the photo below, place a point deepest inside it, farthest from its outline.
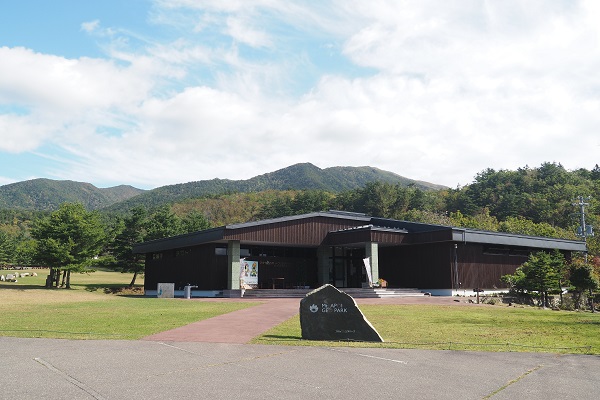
(508, 239)
(180, 241)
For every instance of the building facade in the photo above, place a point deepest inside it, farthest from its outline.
(309, 250)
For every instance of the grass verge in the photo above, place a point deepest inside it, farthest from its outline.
(100, 316)
(87, 312)
(488, 328)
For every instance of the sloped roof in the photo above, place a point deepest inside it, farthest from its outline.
(423, 233)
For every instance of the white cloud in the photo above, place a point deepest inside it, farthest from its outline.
(22, 133)
(90, 26)
(55, 83)
(243, 32)
(440, 91)
(5, 181)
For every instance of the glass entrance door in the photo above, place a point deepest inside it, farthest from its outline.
(339, 272)
(348, 270)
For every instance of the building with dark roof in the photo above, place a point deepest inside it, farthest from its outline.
(313, 249)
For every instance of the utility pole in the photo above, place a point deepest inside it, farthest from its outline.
(584, 231)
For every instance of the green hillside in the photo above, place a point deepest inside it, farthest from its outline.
(48, 194)
(304, 176)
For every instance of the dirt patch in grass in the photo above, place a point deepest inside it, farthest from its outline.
(125, 291)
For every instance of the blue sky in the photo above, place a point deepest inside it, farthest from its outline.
(157, 92)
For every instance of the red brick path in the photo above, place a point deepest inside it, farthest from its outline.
(243, 325)
(235, 327)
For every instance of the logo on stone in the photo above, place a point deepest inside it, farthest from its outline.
(330, 314)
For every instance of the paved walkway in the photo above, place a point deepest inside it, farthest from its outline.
(235, 327)
(243, 325)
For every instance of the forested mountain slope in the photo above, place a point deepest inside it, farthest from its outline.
(48, 194)
(304, 176)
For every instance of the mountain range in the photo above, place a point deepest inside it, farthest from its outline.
(48, 194)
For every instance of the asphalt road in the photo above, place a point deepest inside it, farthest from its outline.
(103, 369)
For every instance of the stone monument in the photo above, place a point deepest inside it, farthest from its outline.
(327, 313)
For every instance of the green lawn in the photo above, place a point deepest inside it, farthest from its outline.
(482, 328)
(90, 281)
(116, 317)
(87, 312)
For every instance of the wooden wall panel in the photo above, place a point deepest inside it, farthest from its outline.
(199, 267)
(419, 266)
(432, 266)
(479, 270)
(361, 236)
(310, 232)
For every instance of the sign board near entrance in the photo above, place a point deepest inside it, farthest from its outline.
(249, 272)
(329, 314)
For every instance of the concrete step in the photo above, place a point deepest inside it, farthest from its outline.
(276, 293)
(353, 292)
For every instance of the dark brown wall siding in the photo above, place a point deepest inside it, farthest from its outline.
(364, 236)
(199, 267)
(431, 266)
(424, 266)
(151, 273)
(479, 270)
(309, 232)
(388, 237)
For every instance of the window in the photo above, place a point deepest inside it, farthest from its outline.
(520, 252)
(495, 251)
(182, 252)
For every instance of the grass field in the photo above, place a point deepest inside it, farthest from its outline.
(90, 281)
(484, 328)
(88, 312)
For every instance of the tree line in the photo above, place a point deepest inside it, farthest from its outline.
(75, 240)
(530, 201)
(546, 273)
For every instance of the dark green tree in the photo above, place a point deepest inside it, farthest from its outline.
(522, 226)
(7, 248)
(68, 239)
(583, 279)
(162, 223)
(310, 201)
(277, 206)
(482, 220)
(595, 173)
(25, 252)
(130, 230)
(379, 199)
(194, 221)
(543, 273)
